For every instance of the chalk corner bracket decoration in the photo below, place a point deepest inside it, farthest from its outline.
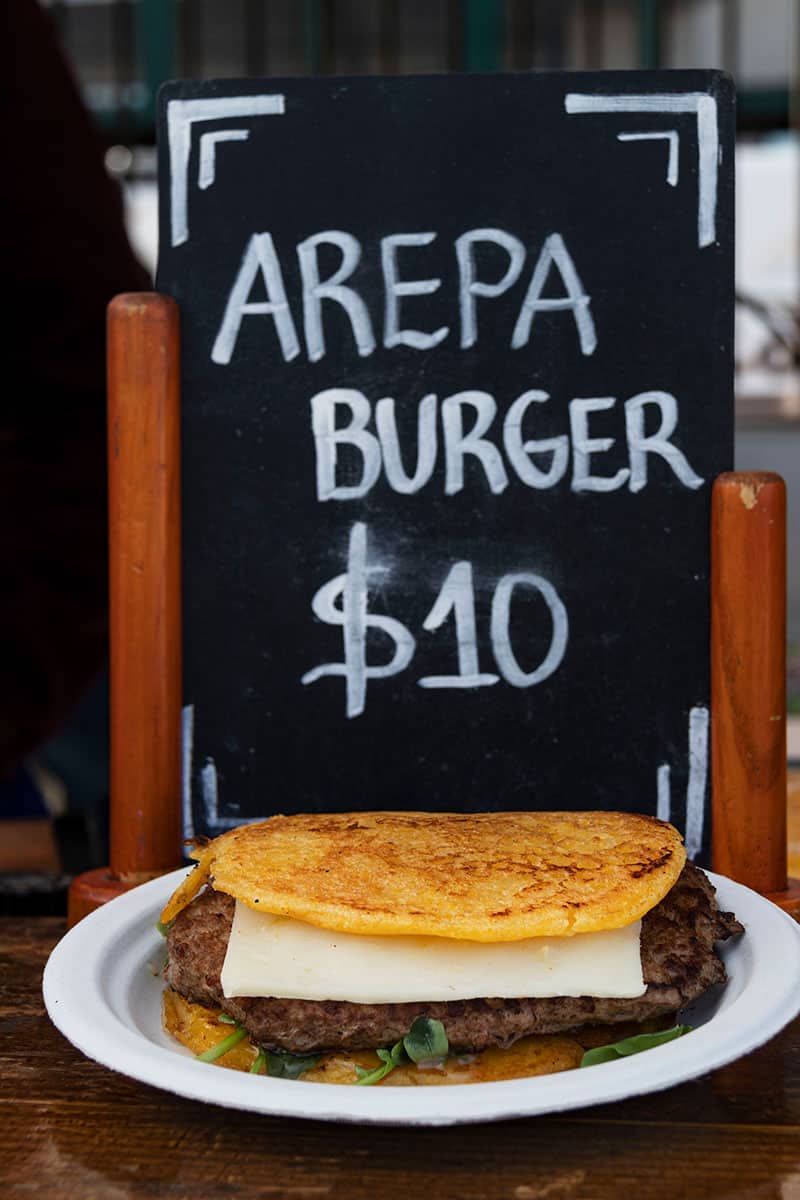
(702, 106)
(182, 117)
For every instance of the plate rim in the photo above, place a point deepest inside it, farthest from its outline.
(73, 983)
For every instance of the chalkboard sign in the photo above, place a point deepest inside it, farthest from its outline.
(457, 379)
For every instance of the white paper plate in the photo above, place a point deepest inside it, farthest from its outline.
(101, 992)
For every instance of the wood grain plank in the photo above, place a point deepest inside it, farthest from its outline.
(186, 1149)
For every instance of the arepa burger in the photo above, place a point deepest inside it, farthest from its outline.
(344, 932)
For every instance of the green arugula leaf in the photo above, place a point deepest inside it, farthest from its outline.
(632, 1045)
(366, 1077)
(283, 1065)
(426, 1040)
(227, 1043)
(397, 1054)
(390, 1059)
(164, 929)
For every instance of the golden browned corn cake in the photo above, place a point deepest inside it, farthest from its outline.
(484, 877)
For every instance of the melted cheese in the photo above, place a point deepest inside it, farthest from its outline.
(289, 959)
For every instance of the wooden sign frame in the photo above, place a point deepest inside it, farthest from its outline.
(748, 634)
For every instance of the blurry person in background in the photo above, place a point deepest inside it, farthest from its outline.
(65, 255)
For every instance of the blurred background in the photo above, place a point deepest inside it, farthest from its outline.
(120, 51)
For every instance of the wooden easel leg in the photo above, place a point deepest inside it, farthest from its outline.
(748, 684)
(145, 598)
(91, 889)
(788, 898)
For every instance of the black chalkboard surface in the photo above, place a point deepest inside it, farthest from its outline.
(457, 378)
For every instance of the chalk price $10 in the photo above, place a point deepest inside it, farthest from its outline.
(343, 601)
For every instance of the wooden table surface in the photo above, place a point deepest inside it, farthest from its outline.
(70, 1128)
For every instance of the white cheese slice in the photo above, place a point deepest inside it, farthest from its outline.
(281, 957)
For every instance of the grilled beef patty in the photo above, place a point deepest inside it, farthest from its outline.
(679, 963)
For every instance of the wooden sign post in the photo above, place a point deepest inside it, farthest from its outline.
(145, 598)
(748, 683)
